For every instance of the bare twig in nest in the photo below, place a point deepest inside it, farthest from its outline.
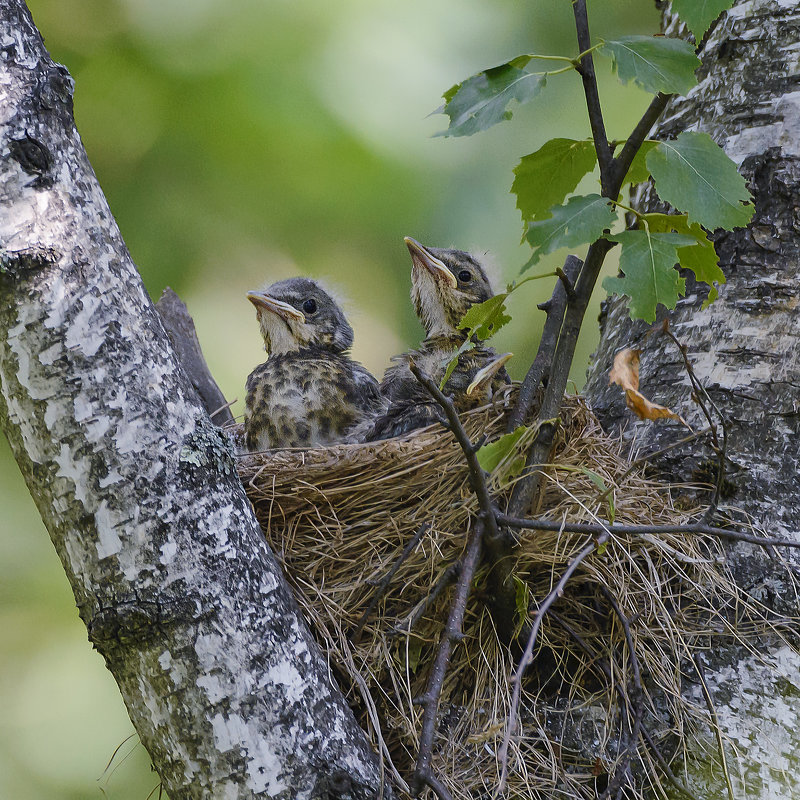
(498, 544)
(452, 632)
(387, 579)
(527, 655)
(635, 703)
(445, 579)
(477, 476)
(698, 665)
(430, 700)
(634, 530)
(703, 400)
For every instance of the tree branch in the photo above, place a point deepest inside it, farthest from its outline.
(526, 488)
(605, 158)
(477, 476)
(539, 370)
(622, 163)
(179, 326)
(170, 571)
(452, 633)
(637, 530)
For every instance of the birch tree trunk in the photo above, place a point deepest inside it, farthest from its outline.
(746, 349)
(139, 492)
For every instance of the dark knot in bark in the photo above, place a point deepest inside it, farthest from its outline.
(34, 158)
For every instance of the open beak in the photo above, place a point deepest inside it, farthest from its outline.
(421, 257)
(485, 374)
(261, 300)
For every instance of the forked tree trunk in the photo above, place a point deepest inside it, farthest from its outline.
(746, 349)
(169, 568)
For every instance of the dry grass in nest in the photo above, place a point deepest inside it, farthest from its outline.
(339, 517)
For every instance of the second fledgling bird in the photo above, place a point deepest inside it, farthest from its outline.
(445, 283)
(308, 392)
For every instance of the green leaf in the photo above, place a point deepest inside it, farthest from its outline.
(654, 63)
(452, 363)
(693, 174)
(485, 319)
(482, 100)
(638, 171)
(648, 264)
(701, 257)
(582, 219)
(481, 321)
(544, 178)
(699, 14)
(490, 455)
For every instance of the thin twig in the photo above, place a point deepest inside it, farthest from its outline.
(567, 282)
(430, 700)
(635, 530)
(499, 545)
(387, 579)
(622, 163)
(527, 655)
(698, 665)
(634, 701)
(701, 396)
(444, 580)
(476, 474)
(605, 158)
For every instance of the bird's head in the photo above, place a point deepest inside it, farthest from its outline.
(444, 284)
(298, 313)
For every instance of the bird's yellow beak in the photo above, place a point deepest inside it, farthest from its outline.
(421, 257)
(488, 372)
(262, 300)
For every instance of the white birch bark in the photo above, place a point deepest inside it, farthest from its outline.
(169, 569)
(746, 348)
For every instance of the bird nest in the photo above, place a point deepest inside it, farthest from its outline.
(338, 519)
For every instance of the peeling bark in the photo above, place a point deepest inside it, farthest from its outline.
(139, 492)
(746, 349)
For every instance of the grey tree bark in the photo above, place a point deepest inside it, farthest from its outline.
(169, 569)
(746, 349)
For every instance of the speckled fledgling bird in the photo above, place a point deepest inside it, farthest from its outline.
(444, 284)
(308, 392)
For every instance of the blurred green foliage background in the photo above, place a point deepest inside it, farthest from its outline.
(239, 142)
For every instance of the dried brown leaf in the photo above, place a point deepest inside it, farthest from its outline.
(625, 373)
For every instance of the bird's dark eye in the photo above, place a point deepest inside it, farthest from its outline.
(310, 305)
(465, 276)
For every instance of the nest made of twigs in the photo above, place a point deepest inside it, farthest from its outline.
(339, 517)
